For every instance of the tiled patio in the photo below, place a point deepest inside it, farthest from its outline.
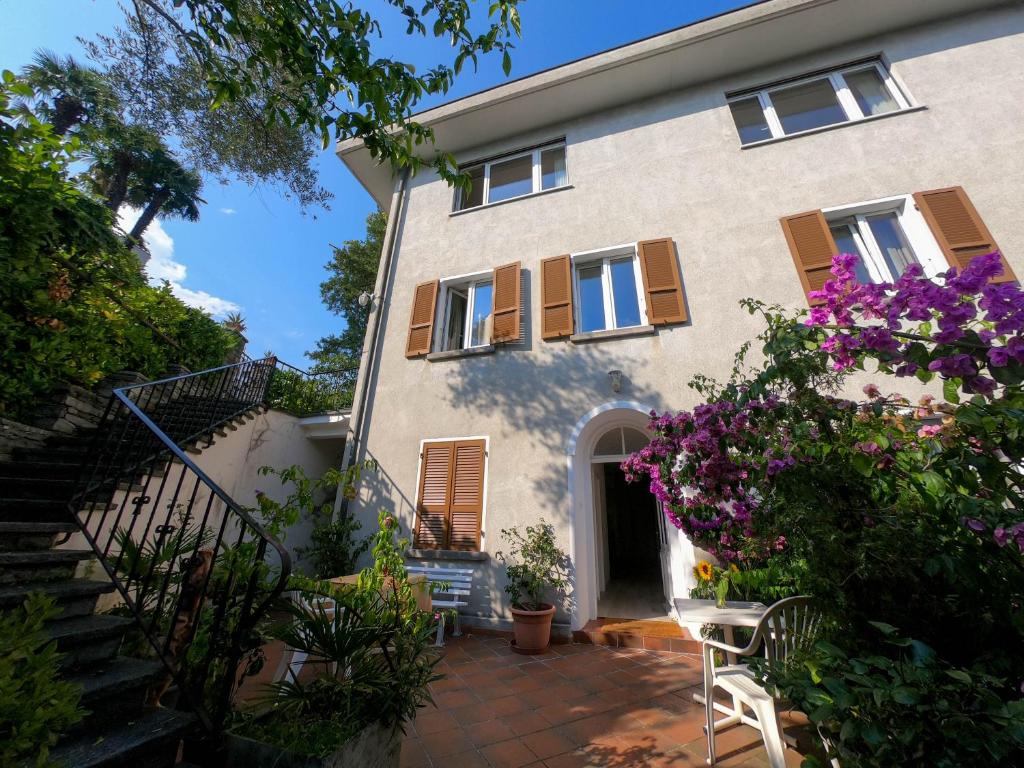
(577, 705)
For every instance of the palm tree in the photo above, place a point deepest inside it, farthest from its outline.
(73, 94)
(163, 187)
(118, 154)
(234, 322)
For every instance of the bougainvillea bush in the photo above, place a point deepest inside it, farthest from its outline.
(904, 518)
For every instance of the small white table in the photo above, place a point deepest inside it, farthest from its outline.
(735, 614)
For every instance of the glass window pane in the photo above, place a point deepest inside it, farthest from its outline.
(511, 178)
(480, 331)
(811, 105)
(610, 443)
(750, 121)
(475, 195)
(624, 298)
(847, 243)
(591, 299)
(634, 439)
(552, 168)
(896, 251)
(455, 321)
(870, 92)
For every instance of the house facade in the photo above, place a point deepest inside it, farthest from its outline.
(622, 206)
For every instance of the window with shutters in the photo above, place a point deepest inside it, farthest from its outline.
(514, 175)
(855, 92)
(467, 309)
(608, 289)
(888, 235)
(450, 496)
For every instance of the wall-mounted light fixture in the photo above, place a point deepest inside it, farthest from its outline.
(365, 298)
(616, 380)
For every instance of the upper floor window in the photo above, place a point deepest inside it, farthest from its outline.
(609, 290)
(514, 175)
(466, 322)
(843, 95)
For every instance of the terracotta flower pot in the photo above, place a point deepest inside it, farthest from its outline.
(532, 628)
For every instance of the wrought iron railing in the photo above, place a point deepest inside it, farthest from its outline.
(195, 569)
(305, 393)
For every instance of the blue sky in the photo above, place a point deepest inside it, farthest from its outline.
(254, 250)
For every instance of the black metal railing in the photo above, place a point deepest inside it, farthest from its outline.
(305, 393)
(195, 569)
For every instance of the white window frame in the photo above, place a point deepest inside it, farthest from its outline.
(847, 101)
(468, 283)
(605, 256)
(915, 229)
(535, 181)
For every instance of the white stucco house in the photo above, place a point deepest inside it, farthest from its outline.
(621, 207)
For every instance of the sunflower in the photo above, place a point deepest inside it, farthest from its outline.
(704, 570)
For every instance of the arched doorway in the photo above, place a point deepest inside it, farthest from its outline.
(620, 549)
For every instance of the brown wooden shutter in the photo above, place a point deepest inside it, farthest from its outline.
(958, 228)
(507, 286)
(467, 501)
(421, 320)
(435, 495)
(556, 297)
(812, 245)
(662, 283)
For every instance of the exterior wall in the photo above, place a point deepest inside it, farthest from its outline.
(672, 167)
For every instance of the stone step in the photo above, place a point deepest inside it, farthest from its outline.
(40, 565)
(75, 597)
(114, 690)
(88, 639)
(32, 536)
(46, 470)
(649, 634)
(148, 741)
(43, 510)
(57, 488)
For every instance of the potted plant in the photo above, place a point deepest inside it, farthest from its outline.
(534, 566)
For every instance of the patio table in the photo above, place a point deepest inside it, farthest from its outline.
(736, 613)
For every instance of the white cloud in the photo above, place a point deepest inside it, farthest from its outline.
(228, 211)
(162, 266)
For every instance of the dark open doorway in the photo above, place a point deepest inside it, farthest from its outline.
(634, 586)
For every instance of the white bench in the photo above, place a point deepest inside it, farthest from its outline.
(458, 583)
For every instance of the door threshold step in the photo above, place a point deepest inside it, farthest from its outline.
(648, 634)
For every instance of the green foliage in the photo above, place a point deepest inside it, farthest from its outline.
(306, 394)
(353, 270)
(36, 705)
(333, 549)
(902, 705)
(541, 566)
(73, 305)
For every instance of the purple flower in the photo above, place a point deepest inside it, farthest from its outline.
(870, 448)
(974, 524)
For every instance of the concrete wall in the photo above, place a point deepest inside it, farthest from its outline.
(673, 167)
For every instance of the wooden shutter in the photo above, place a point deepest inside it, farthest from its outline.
(435, 495)
(812, 245)
(662, 283)
(421, 320)
(958, 228)
(507, 287)
(467, 504)
(556, 298)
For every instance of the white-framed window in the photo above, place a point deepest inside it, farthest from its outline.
(608, 289)
(467, 308)
(514, 175)
(843, 95)
(888, 235)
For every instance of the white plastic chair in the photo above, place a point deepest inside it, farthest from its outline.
(329, 605)
(787, 626)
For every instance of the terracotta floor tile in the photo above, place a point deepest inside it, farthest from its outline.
(473, 713)
(509, 705)
(525, 683)
(455, 699)
(489, 732)
(413, 754)
(508, 754)
(444, 743)
(470, 759)
(545, 744)
(494, 690)
(526, 722)
(431, 721)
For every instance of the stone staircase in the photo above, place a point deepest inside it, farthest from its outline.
(36, 483)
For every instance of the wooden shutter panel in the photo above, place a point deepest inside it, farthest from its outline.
(958, 228)
(435, 495)
(467, 502)
(556, 298)
(663, 286)
(812, 245)
(421, 320)
(507, 287)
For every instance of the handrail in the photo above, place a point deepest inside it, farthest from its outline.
(186, 559)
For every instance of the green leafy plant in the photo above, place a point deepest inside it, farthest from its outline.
(534, 565)
(36, 705)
